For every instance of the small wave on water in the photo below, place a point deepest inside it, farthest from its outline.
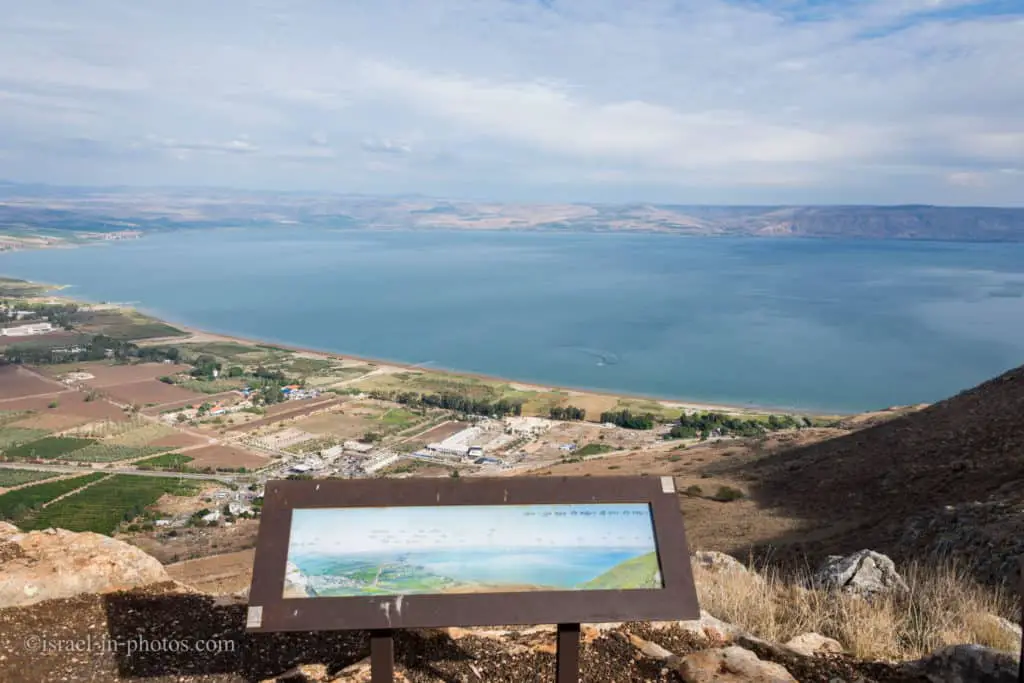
(601, 357)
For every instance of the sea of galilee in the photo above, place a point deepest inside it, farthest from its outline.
(833, 326)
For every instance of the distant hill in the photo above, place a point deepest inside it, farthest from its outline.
(38, 209)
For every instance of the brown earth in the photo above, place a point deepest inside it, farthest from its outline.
(109, 374)
(70, 403)
(860, 489)
(304, 408)
(218, 574)
(17, 382)
(441, 432)
(189, 543)
(178, 440)
(224, 456)
(150, 391)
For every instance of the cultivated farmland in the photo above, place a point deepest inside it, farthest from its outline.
(9, 478)
(225, 457)
(47, 448)
(16, 505)
(148, 391)
(104, 451)
(104, 506)
(17, 382)
(167, 461)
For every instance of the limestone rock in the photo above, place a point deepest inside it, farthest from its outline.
(7, 530)
(60, 564)
(652, 650)
(714, 561)
(810, 644)
(865, 573)
(304, 673)
(709, 628)
(731, 665)
(966, 664)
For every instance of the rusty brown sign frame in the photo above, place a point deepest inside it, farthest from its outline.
(269, 611)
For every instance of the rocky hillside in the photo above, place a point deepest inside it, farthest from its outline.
(127, 622)
(946, 478)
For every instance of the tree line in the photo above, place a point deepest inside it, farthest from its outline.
(707, 424)
(452, 401)
(628, 420)
(98, 347)
(567, 413)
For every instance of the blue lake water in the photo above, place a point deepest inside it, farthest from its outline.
(814, 324)
(559, 568)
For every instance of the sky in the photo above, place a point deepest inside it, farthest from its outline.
(355, 530)
(673, 101)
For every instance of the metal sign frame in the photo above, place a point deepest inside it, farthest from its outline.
(269, 611)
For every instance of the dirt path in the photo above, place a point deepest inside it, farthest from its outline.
(33, 483)
(71, 493)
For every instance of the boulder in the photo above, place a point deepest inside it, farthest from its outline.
(864, 573)
(717, 562)
(731, 665)
(708, 628)
(55, 563)
(966, 664)
(811, 644)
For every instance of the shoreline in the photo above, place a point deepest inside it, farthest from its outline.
(525, 385)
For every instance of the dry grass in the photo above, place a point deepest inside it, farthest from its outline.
(943, 607)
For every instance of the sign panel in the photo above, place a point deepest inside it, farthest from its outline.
(410, 553)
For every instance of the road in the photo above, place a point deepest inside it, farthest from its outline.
(71, 469)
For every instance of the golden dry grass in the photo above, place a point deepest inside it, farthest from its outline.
(943, 607)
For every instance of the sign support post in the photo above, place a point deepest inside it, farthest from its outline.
(567, 657)
(382, 656)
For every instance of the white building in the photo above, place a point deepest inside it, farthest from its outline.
(26, 330)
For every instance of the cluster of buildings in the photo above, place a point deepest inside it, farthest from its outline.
(25, 329)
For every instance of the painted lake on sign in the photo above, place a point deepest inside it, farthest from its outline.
(828, 325)
(470, 549)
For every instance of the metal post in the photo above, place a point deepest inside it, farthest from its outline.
(567, 654)
(382, 657)
(1020, 579)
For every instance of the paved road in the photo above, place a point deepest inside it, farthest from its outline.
(71, 469)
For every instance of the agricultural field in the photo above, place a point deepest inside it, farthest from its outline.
(109, 373)
(352, 422)
(73, 407)
(148, 392)
(102, 507)
(105, 451)
(47, 448)
(16, 505)
(123, 324)
(10, 478)
(225, 457)
(167, 461)
(14, 436)
(17, 382)
(209, 386)
(178, 440)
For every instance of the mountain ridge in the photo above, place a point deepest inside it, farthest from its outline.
(25, 208)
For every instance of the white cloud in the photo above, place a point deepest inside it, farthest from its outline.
(697, 100)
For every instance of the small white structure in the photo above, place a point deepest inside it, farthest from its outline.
(357, 446)
(301, 468)
(162, 522)
(238, 508)
(26, 330)
(212, 517)
(475, 451)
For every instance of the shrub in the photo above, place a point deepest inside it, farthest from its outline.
(694, 490)
(727, 493)
(52, 404)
